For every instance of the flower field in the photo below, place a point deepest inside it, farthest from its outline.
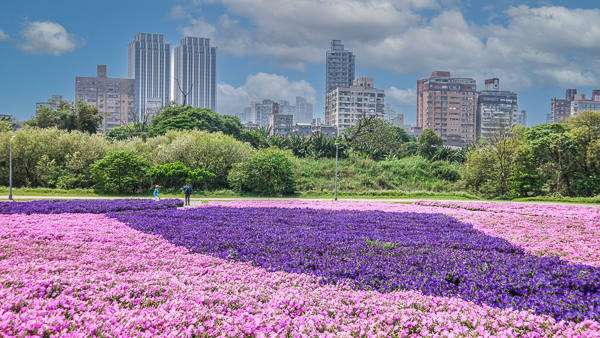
(297, 269)
(91, 206)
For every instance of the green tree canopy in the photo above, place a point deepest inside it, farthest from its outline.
(188, 118)
(429, 143)
(374, 137)
(268, 171)
(176, 174)
(67, 115)
(120, 171)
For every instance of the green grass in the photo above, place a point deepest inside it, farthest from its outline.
(360, 175)
(313, 194)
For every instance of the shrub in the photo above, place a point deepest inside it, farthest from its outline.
(268, 172)
(120, 171)
(213, 152)
(176, 174)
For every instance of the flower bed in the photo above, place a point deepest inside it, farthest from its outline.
(88, 275)
(384, 251)
(571, 211)
(92, 206)
(574, 239)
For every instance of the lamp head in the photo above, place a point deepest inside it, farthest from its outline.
(13, 137)
(337, 144)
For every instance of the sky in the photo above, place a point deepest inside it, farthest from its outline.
(276, 49)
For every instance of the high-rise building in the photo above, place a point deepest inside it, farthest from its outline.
(345, 106)
(260, 112)
(447, 106)
(389, 113)
(195, 78)
(339, 67)
(581, 103)
(561, 108)
(521, 118)
(303, 110)
(114, 96)
(496, 109)
(149, 63)
(286, 108)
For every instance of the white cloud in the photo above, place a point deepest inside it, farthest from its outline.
(401, 98)
(397, 35)
(4, 36)
(258, 87)
(521, 10)
(47, 37)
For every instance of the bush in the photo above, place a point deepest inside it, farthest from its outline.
(268, 172)
(51, 157)
(175, 175)
(120, 171)
(213, 152)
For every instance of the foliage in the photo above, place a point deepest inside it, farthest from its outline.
(42, 156)
(120, 171)
(374, 138)
(429, 143)
(176, 174)
(358, 174)
(213, 152)
(268, 171)
(188, 118)
(67, 115)
(6, 126)
(490, 166)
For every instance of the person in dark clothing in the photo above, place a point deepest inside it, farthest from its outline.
(187, 190)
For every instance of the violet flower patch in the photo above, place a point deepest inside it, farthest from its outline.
(86, 206)
(384, 251)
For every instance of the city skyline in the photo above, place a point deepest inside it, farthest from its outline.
(45, 46)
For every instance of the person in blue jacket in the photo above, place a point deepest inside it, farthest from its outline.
(187, 190)
(156, 194)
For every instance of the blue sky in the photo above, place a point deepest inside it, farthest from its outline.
(276, 48)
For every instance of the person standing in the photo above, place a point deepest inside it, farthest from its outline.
(187, 190)
(156, 194)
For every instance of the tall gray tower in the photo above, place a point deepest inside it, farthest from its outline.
(149, 63)
(340, 68)
(196, 73)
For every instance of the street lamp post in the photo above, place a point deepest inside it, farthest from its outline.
(10, 170)
(336, 168)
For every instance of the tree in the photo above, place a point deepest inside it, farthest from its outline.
(67, 115)
(188, 118)
(374, 138)
(120, 171)
(268, 171)
(429, 143)
(490, 167)
(553, 150)
(176, 174)
(184, 94)
(402, 136)
(213, 152)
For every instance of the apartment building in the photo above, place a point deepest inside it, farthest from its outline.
(115, 96)
(447, 105)
(496, 109)
(560, 109)
(339, 67)
(345, 106)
